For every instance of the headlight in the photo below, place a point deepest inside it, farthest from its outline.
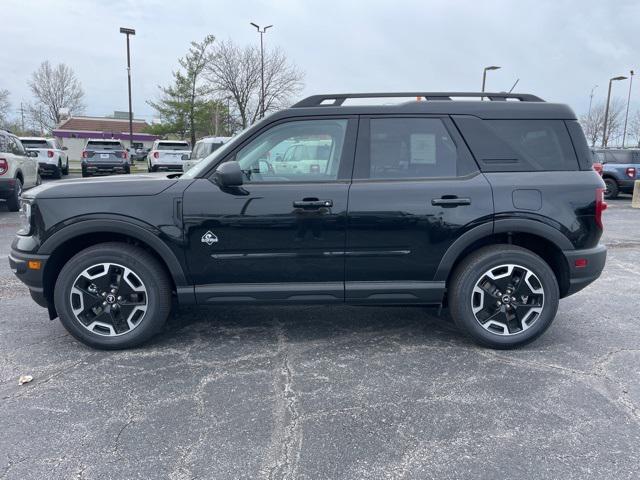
(25, 219)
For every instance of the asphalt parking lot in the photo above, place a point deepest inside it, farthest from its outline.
(329, 392)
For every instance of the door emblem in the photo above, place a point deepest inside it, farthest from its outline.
(209, 238)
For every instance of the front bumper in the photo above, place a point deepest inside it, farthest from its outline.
(580, 277)
(31, 277)
(7, 187)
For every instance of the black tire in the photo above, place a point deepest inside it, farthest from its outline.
(57, 172)
(13, 202)
(145, 267)
(65, 170)
(152, 168)
(473, 268)
(85, 174)
(612, 190)
(38, 180)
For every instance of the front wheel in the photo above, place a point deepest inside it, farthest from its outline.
(113, 296)
(503, 296)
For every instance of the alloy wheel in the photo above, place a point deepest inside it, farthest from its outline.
(507, 299)
(109, 299)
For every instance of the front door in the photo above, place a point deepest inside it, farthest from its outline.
(281, 235)
(415, 190)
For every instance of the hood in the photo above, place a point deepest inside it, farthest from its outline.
(111, 186)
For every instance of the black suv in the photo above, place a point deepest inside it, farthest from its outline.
(490, 208)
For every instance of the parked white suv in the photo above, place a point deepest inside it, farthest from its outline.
(167, 155)
(52, 156)
(18, 170)
(203, 148)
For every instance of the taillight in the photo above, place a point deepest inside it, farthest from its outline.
(85, 154)
(125, 155)
(631, 172)
(601, 206)
(598, 167)
(4, 166)
(156, 154)
(50, 153)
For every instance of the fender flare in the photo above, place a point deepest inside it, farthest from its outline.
(142, 233)
(505, 225)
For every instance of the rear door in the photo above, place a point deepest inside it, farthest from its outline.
(281, 235)
(415, 190)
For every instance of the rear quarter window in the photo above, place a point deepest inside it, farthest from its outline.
(519, 145)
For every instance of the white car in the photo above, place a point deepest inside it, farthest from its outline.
(203, 148)
(18, 170)
(167, 155)
(52, 156)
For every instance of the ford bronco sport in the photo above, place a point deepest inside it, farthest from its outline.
(490, 208)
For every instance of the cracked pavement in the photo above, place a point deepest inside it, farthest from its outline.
(329, 392)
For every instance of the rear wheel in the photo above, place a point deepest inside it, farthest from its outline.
(57, 173)
(14, 202)
(611, 188)
(113, 296)
(503, 296)
(65, 170)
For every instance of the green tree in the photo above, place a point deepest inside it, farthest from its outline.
(183, 104)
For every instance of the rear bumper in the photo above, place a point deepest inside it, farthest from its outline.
(32, 278)
(105, 168)
(45, 168)
(580, 277)
(7, 187)
(626, 185)
(168, 166)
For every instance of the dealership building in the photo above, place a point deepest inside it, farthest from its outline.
(74, 132)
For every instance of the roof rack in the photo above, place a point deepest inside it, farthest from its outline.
(336, 100)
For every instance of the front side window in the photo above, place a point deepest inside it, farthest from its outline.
(4, 143)
(297, 151)
(402, 148)
(17, 147)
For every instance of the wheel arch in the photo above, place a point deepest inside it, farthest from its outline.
(541, 239)
(68, 241)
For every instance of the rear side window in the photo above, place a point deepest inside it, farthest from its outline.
(35, 144)
(402, 148)
(519, 145)
(622, 157)
(4, 143)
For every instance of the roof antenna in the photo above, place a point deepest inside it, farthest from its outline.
(514, 85)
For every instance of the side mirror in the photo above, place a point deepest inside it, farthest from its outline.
(228, 174)
(65, 148)
(186, 156)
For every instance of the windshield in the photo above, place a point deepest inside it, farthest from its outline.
(173, 146)
(214, 157)
(35, 144)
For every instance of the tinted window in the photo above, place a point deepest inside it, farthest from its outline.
(100, 145)
(16, 146)
(411, 148)
(519, 145)
(308, 150)
(623, 156)
(4, 143)
(35, 144)
(173, 146)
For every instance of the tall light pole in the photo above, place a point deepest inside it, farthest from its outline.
(626, 115)
(261, 32)
(591, 100)
(127, 32)
(606, 110)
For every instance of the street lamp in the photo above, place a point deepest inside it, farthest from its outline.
(606, 110)
(127, 32)
(626, 116)
(591, 100)
(261, 32)
(484, 74)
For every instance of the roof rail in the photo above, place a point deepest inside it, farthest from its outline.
(336, 100)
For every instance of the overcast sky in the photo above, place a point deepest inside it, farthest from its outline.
(558, 49)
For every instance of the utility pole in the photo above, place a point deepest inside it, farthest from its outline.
(22, 117)
(626, 116)
(606, 110)
(127, 32)
(228, 116)
(261, 32)
(591, 100)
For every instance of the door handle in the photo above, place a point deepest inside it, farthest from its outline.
(312, 203)
(450, 201)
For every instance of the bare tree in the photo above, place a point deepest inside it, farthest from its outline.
(593, 123)
(634, 127)
(5, 106)
(55, 88)
(235, 71)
